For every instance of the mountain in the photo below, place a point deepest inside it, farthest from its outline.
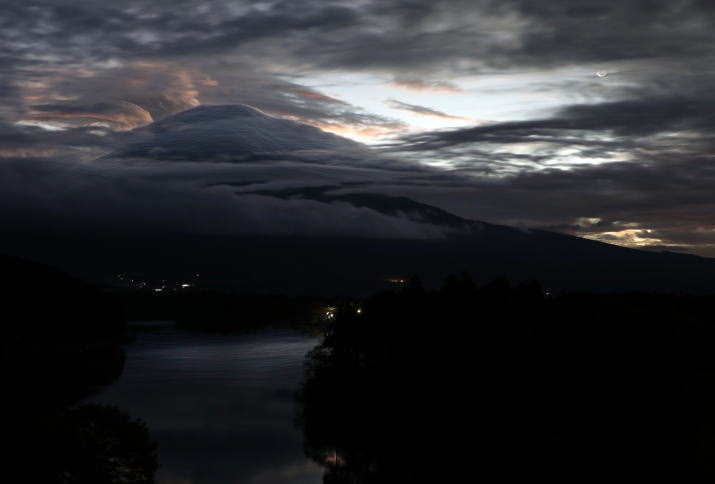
(258, 203)
(299, 264)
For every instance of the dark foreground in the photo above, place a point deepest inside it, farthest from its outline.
(507, 384)
(494, 383)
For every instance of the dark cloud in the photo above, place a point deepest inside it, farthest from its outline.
(628, 120)
(80, 143)
(132, 95)
(230, 43)
(668, 194)
(671, 200)
(154, 56)
(393, 35)
(143, 199)
(634, 171)
(606, 31)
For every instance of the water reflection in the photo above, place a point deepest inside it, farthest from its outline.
(221, 407)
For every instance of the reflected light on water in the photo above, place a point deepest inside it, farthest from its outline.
(221, 407)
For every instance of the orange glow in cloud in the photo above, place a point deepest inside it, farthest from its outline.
(176, 85)
(449, 117)
(427, 112)
(627, 238)
(452, 118)
(322, 97)
(431, 86)
(123, 121)
(369, 132)
(359, 132)
(150, 64)
(334, 459)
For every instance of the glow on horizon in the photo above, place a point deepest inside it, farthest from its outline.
(467, 100)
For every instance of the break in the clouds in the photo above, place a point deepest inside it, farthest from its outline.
(557, 144)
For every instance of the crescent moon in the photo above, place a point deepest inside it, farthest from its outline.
(602, 73)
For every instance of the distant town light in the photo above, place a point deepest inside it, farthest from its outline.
(158, 289)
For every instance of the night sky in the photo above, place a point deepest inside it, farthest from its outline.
(588, 117)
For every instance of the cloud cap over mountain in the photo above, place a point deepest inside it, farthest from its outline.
(208, 133)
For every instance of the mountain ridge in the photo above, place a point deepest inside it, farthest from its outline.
(315, 223)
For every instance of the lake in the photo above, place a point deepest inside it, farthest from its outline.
(221, 407)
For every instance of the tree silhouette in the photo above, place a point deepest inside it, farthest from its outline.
(502, 383)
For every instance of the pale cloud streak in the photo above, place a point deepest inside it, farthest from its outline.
(429, 112)
(441, 87)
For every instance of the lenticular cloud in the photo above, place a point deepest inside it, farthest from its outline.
(211, 133)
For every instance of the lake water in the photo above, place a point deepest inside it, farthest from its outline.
(221, 407)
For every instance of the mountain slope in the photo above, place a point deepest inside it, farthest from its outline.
(361, 265)
(285, 207)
